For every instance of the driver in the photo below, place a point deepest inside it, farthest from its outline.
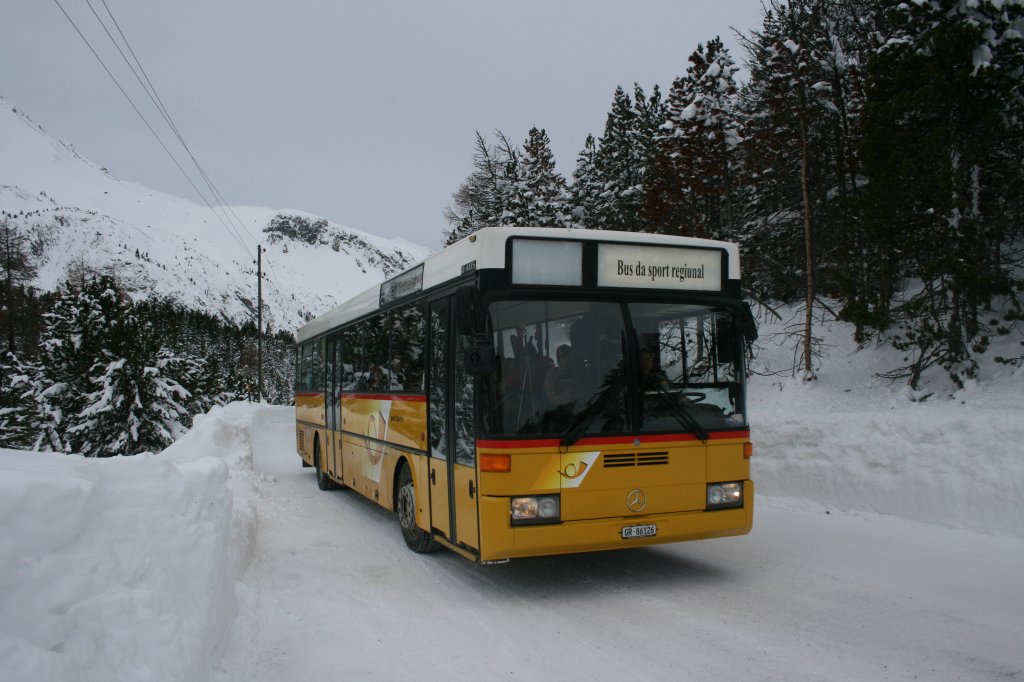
(650, 374)
(559, 383)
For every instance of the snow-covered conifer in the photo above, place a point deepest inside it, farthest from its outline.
(943, 141)
(539, 194)
(19, 425)
(586, 186)
(17, 270)
(73, 340)
(624, 160)
(696, 147)
(135, 407)
(108, 384)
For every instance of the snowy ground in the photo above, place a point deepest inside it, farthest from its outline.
(812, 593)
(853, 441)
(220, 560)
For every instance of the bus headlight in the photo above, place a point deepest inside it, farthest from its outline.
(725, 495)
(536, 509)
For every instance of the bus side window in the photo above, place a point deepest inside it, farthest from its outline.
(300, 369)
(408, 338)
(316, 367)
(351, 352)
(308, 357)
(377, 352)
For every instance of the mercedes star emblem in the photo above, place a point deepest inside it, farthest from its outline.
(636, 500)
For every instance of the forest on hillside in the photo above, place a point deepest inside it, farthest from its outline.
(871, 169)
(90, 370)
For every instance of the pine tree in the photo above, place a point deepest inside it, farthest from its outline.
(539, 194)
(17, 305)
(694, 190)
(841, 37)
(279, 368)
(108, 384)
(73, 340)
(944, 98)
(624, 161)
(586, 186)
(786, 153)
(18, 418)
(135, 407)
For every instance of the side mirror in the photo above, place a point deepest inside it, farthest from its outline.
(748, 324)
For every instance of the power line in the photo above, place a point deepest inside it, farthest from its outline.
(158, 102)
(131, 102)
(154, 97)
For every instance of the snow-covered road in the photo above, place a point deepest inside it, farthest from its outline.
(332, 593)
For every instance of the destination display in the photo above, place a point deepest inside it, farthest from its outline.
(659, 267)
(401, 286)
(543, 261)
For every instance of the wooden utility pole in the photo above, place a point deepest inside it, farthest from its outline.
(259, 321)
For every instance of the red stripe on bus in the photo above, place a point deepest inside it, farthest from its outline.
(385, 396)
(609, 440)
(371, 396)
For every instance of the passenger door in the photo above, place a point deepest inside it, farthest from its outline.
(452, 442)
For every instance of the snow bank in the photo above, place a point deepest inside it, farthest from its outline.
(123, 568)
(850, 440)
(943, 464)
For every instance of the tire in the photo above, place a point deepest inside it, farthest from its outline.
(323, 481)
(416, 538)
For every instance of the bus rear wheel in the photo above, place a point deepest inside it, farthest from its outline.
(323, 481)
(416, 538)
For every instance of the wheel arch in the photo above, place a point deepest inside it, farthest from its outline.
(401, 461)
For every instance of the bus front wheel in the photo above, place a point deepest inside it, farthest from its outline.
(416, 538)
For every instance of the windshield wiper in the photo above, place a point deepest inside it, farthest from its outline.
(590, 412)
(686, 419)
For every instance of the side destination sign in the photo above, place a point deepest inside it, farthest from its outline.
(659, 267)
(401, 286)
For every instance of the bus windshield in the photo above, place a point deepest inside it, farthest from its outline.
(597, 367)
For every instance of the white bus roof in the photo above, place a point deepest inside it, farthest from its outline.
(486, 249)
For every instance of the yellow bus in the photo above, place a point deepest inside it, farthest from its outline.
(533, 391)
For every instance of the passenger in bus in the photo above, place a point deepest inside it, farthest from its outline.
(396, 376)
(509, 375)
(377, 380)
(559, 384)
(531, 364)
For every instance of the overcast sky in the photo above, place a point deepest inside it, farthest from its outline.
(361, 111)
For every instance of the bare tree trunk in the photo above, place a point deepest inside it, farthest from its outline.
(808, 245)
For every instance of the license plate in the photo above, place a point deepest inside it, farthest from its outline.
(647, 530)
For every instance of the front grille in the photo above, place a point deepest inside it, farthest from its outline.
(635, 459)
(644, 459)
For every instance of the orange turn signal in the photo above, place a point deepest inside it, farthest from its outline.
(748, 450)
(497, 463)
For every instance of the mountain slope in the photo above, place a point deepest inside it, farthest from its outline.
(77, 214)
